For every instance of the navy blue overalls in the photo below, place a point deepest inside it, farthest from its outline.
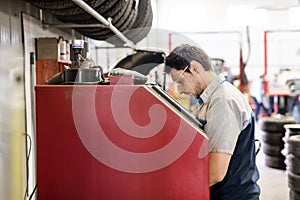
(242, 175)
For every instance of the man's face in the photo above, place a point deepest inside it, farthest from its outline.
(186, 83)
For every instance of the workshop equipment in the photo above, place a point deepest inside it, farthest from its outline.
(117, 142)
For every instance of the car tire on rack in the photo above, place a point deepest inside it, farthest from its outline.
(105, 33)
(75, 9)
(294, 195)
(276, 162)
(61, 4)
(270, 124)
(273, 138)
(294, 145)
(106, 9)
(293, 164)
(294, 182)
(272, 150)
(292, 129)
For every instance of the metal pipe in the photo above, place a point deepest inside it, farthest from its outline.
(205, 32)
(77, 25)
(107, 23)
(282, 30)
(241, 66)
(265, 62)
(170, 42)
(99, 47)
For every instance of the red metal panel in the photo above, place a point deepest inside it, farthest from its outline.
(116, 142)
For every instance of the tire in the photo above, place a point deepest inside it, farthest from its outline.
(60, 4)
(122, 27)
(294, 182)
(293, 164)
(291, 133)
(294, 195)
(273, 138)
(137, 34)
(141, 61)
(292, 129)
(143, 22)
(110, 37)
(119, 20)
(143, 10)
(272, 150)
(294, 145)
(145, 30)
(276, 162)
(85, 18)
(104, 33)
(270, 124)
(74, 10)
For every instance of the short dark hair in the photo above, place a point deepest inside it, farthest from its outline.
(182, 55)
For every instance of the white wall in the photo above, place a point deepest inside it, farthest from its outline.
(217, 15)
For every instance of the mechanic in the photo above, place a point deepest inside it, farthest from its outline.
(229, 123)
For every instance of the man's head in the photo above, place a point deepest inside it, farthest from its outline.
(190, 69)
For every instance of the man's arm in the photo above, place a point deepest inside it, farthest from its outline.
(218, 165)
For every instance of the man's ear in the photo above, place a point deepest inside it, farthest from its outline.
(195, 67)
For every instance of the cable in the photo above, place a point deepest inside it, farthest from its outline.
(249, 46)
(34, 189)
(27, 163)
(259, 146)
(27, 168)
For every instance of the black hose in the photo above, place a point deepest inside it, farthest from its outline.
(259, 146)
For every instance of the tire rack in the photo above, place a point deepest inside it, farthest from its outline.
(273, 144)
(107, 23)
(119, 33)
(292, 146)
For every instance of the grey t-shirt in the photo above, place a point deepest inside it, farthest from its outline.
(227, 113)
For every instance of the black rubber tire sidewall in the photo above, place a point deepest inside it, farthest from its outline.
(273, 138)
(294, 182)
(276, 162)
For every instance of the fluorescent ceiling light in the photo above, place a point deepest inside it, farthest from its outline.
(247, 15)
(294, 16)
(185, 18)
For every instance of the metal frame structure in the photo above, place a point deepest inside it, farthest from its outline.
(266, 89)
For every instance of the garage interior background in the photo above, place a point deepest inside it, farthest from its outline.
(218, 26)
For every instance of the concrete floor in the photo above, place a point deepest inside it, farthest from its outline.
(273, 182)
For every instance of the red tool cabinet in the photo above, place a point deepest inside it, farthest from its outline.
(116, 142)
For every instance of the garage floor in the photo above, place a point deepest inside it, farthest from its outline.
(273, 182)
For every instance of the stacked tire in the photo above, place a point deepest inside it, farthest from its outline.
(292, 140)
(131, 17)
(273, 132)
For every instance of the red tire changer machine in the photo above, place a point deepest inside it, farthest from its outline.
(101, 142)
